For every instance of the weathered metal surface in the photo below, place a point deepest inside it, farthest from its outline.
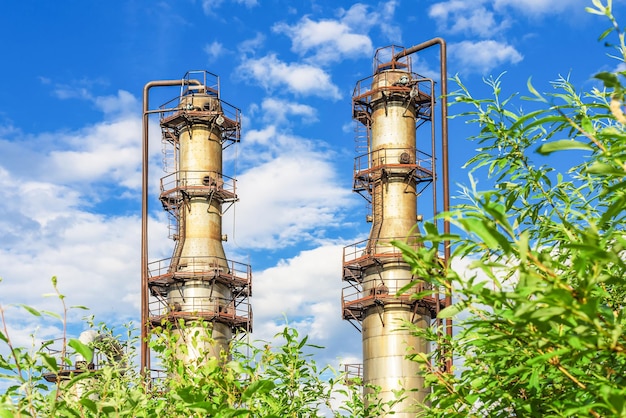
(198, 283)
(390, 105)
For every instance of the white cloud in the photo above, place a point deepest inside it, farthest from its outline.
(326, 41)
(276, 111)
(457, 16)
(289, 191)
(47, 221)
(307, 290)
(249, 46)
(95, 258)
(483, 56)
(289, 194)
(209, 6)
(330, 40)
(77, 89)
(248, 3)
(302, 79)
(214, 50)
(64, 92)
(288, 200)
(387, 23)
(106, 152)
(542, 7)
(123, 103)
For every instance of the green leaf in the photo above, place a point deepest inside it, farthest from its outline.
(49, 361)
(563, 145)
(89, 404)
(610, 80)
(523, 247)
(614, 209)
(258, 388)
(603, 168)
(534, 91)
(487, 233)
(52, 314)
(452, 310)
(547, 356)
(82, 349)
(545, 314)
(5, 413)
(30, 309)
(586, 125)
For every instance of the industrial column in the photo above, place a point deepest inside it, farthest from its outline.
(198, 283)
(391, 174)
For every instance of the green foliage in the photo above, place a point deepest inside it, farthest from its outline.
(265, 379)
(539, 284)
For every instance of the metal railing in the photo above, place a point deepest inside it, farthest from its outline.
(380, 247)
(211, 266)
(353, 373)
(202, 306)
(200, 179)
(407, 158)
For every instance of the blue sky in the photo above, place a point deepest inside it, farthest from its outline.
(70, 133)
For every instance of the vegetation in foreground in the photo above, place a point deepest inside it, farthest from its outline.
(540, 323)
(266, 379)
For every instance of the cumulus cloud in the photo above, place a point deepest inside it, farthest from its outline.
(91, 254)
(289, 191)
(461, 17)
(100, 156)
(209, 6)
(121, 104)
(277, 111)
(214, 50)
(306, 289)
(288, 200)
(301, 79)
(326, 41)
(489, 18)
(249, 46)
(483, 56)
(290, 195)
(106, 152)
(541, 7)
(388, 26)
(50, 183)
(330, 40)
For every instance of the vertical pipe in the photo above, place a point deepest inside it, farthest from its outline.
(444, 157)
(145, 153)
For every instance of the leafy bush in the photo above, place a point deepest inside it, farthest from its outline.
(264, 379)
(540, 319)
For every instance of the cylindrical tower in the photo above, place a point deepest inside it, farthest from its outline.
(199, 284)
(390, 174)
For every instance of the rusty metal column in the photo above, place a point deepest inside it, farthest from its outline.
(200, 228)
(394, 211)
(197, 293)
(388, 108)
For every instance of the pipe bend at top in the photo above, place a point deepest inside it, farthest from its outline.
(145, 358)
(419, 47)
(163, 83)
(444, 155)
